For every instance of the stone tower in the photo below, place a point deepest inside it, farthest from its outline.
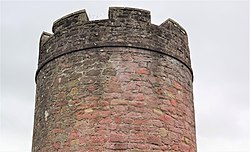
(117, 84)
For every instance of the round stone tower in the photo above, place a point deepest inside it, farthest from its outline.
(117, 84)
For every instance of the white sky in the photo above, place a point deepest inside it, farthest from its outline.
(219, 43)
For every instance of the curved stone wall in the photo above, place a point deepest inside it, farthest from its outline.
(121, 84)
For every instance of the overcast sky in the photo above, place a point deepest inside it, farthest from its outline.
(219, 43)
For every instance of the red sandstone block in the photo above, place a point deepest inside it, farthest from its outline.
(139, 83)
(184, 147)
(131, 86)
(160, 91)
(164, 148)
(118, 102)
(119, 109)
(60, 150)
(152, 101)
(127, 120)
(118, 119)
(136, 109)
(87, 105)
(152, 80)
(188, 96)
(148, 114)
(74, 134)
(156, 123)
(116, 146)
(146, 90)
(138, 103)
(105, 120)
(133, 115)
(104, 113)
(83, 140)
(128, 95)
(57, 145)
(139, 77)
(179, 96)
(102, 132)
(182, 108)
(142, 71)
(80, 151)
(155, 148)
(192, 149)
(81, 115)
(137, 138)
(167, 119)
(114, 79)
(173, 102)
(75, 102)
(100, 127)
(113, 126)
(172, 136)
(125, 128)
(168, 109)
(103, 103)
(136, 127)
(190, 120)
(143, 146)
(66, 144)
(91, 148)
(92, 98)
(180, 124)
(139, 121)
(92, 87)
(150, 128)
(177, 85)
(118, 137)
(175, 147)
(109, 96)
(139, 97)
(153, 139)
(99, 139)
(164, 107)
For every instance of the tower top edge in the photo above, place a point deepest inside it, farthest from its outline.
(78, 16)
(125, 26)
(122, 14)
(128, 8)
(172, 22)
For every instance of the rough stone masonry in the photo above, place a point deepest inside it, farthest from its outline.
(117, 84)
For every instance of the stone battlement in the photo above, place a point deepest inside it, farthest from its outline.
(125, 27)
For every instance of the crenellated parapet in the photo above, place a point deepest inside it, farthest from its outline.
(125, 27)
(129, 14)
(73, 19)
(44, 37)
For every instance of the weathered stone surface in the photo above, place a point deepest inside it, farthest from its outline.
(120, 84)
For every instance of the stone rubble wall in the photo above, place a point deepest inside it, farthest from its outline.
(119, 84)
